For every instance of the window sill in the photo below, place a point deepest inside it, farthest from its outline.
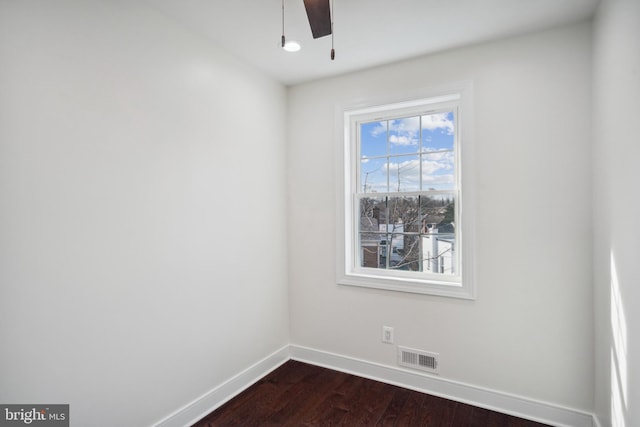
(426, 287)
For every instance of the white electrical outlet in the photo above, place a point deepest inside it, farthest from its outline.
(387, 334)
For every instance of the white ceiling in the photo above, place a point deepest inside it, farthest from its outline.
(367, 32)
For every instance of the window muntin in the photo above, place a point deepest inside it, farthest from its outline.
(403, 227)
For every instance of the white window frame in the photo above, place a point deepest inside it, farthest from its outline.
(456, 98)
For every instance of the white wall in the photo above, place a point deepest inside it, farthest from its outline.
(139, 167)
(529, 332)
(617, 212)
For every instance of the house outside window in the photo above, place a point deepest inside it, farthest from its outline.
(402, 210)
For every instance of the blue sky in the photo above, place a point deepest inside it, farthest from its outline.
(393, 150)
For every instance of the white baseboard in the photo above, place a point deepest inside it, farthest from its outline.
(485, 398)
(194, 411)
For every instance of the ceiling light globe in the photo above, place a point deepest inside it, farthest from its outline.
(292, 46)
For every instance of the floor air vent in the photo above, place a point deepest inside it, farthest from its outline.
(418, 359)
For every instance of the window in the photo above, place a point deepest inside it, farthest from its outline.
(402, 207)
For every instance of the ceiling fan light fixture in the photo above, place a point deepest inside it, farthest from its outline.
(291, 46)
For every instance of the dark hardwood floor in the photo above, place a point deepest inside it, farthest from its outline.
(299, 394)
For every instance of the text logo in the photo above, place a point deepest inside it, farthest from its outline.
(34, 415)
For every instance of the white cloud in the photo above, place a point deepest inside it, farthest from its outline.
(403, 140)
(431, 167)
(408, 125)
(436, 163)
(438, 121)
(437, 168)
(405, 131)
(437, 172)
(379, 129)
(445, 156)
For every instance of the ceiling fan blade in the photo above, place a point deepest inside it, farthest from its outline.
(319, 14)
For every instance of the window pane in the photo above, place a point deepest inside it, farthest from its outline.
(404, 135)
(373, 139)
(373, 214)
(438, 171)
(403, 217)
(438, 213)
(438, 132)
(373, 175)
(439, 253)
(438, 241)
(405, 252)
(412, 233)
(403, 214)
(372, 231)
(404, 173)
